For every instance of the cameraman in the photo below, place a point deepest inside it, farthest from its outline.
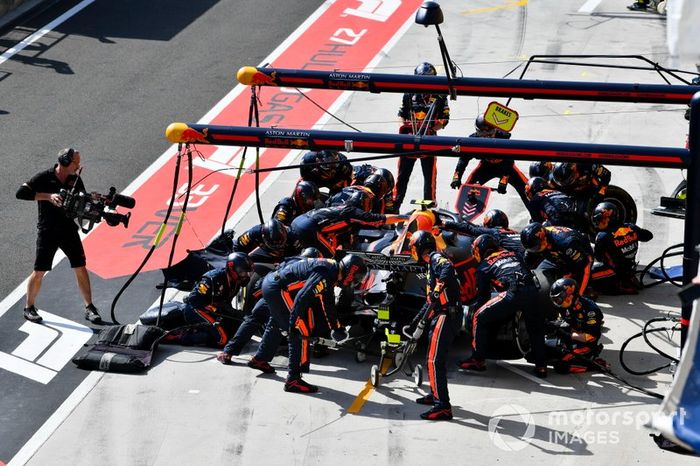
(56, 230)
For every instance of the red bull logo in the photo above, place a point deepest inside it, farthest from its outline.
(620, 232)
(190, 135)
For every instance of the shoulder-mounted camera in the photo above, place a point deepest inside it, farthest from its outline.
(91, 208)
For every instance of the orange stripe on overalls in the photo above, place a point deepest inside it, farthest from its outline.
(491, 301)
(432, 351)
(223, 338)
(303, 329)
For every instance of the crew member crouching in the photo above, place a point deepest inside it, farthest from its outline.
(577, 345)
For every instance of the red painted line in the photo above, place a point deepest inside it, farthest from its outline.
(336, 39)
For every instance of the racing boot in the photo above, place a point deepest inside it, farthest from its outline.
(92, 315)
(472, 364)
(305, 368)
(428, 399)
(31, 315)
(262, 366)
(637, 6)
(299, 386)
(438, 413)
(541, 372)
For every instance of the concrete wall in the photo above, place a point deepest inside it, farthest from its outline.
(7, 5)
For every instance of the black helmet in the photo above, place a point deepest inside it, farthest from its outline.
(311, 253)
(483, 246)
(238, 267)
(425, 69)
(387, 175)
(535, 185)
(495, 218)
(274, 234)
(352, 270)
(305, 195)
(564, 173)
(422, 243)
(563, 292)
(533, 237)
(605, 216)
(377, 184)
(319, 165)
(361, 172)
(484, 128)
(540, 168)
(361, 198)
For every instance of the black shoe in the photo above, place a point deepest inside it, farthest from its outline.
(636, 6)
(299, 386)
(263, 366)
(426, 400)
(92, 315)
(438, 414)
(541, 372)
(31, 315)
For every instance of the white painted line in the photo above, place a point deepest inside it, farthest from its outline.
(56, 419)
(9, 53)
(589, 6)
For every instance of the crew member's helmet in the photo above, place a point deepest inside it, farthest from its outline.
(533, 237)
(319, 165)
(306, 194)
(425, 69)
(361, 172)
(311, 253)
(362, 199)
(422, 243)
(483, 246)
(387, 175)
(540, 168)
(238, 267)
(495, 218)
(563, 292)
(352, 270)
(274, 234)
(377, 184)
(483, 128)
(535, 185)
(565, 173)
(605, 216)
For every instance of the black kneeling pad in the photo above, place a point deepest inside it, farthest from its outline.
(121, 348)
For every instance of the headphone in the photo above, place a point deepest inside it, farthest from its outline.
(65, 156)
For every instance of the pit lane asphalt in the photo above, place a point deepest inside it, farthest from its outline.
(190, 410)
(107, 81)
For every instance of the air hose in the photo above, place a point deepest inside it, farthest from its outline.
(667, 278)
(645, 334)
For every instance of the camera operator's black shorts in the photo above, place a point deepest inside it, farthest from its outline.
(50, 241)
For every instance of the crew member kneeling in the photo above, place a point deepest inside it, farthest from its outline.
(578, 345)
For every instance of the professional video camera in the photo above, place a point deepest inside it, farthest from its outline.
(91, 208)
